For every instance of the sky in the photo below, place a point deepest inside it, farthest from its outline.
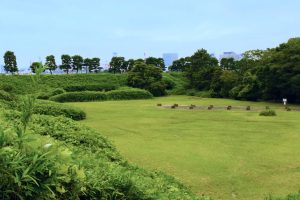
(34, 29)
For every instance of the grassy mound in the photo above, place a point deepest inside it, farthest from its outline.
(22, 84)
(78, 163)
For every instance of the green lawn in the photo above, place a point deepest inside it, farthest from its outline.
(223, 154)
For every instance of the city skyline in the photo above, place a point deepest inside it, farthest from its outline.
(34, 29)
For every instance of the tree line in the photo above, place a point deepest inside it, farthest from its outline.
(270, 74)
(77, 63)
(68, 63)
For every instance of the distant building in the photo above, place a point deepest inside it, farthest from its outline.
(169, 58)
(231, 54)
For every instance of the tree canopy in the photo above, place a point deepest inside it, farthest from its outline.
(10, 62)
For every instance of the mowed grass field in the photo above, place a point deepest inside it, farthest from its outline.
(233, 154)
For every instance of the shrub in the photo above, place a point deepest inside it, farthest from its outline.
(79, 96)
(84, 96)
(267, 113)
(128, 94)
(44, 107)
(168, 82)
(55, 109)
(157, 89)
(95, 87)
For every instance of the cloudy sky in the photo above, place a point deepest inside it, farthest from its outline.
(97, 28)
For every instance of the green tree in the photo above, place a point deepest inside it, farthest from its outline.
(10, 62)
(130, 64)
(228, 64)
(77, 63)
(200, 70)
(180, 65)
(35, 66)
(66, 63)
(87, 63)
(117, 65)
(147, 77)
(50, 63)
(158, 62)
(95, 65)
(279, 72)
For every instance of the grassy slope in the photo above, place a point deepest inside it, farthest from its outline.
(218, 153)
(22, 83)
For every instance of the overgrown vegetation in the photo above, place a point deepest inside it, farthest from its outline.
(46, 157)
(270, 74)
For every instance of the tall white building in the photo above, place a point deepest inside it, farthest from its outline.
(231, 54)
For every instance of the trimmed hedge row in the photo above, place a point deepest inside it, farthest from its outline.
(56, 109)
(84, 96)
(96, 87)
(48, 108)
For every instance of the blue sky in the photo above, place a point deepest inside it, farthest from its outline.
(97, 28)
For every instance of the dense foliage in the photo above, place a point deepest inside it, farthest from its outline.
(272, 74)
(147, 77)
(124, 94)
(10, 62)
(56, 158)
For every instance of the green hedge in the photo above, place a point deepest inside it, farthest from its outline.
(79, 97)
(128, 94)
(98, 87)
(84, 96)
(56, 109)
(44, 107)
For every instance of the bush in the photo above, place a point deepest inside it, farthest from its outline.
(267, 113)
(102, 96)
(98, 87)
(128, 94)
(55, 109)
(157, 89)
(168, 82)
(79, 96)
(44, 107)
